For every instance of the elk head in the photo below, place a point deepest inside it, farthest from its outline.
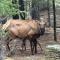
(42, 26)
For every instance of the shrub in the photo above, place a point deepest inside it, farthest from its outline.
(7, 8)
(3, 34)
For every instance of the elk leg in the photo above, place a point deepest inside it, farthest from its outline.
(7, 46)
(24, 44)
(39, 45)
(32, 47)
(35, 45)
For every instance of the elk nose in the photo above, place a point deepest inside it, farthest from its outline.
(42, 31)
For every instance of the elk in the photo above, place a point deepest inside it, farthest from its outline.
(25, 29)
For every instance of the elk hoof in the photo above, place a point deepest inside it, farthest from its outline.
(35, 52)
(8, 54)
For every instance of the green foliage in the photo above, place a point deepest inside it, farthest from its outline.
(3, 34)
(7, 8)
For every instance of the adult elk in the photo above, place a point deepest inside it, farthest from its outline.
(25, 29)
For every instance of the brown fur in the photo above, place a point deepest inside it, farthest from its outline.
(25, 29)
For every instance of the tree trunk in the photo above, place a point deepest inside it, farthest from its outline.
(35, 12)
(48, 6)
(21, 8)
(55, 38)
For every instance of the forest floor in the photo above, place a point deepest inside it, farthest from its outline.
(26, 55)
